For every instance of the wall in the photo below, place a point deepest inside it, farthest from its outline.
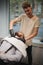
(4, 18)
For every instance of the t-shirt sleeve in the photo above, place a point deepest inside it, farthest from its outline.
(19, 18)
(37, 23)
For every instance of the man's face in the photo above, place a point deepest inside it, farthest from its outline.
(28, 10)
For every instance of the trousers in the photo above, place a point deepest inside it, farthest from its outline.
(29, 54)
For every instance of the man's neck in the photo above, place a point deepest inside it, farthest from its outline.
(30, 16)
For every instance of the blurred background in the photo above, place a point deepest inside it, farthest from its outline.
(10, 9)
(37, 6)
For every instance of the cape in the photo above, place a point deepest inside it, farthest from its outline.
(21, 46)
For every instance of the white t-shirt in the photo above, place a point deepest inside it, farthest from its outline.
(27, 25)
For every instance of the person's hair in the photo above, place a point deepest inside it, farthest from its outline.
(25, 5)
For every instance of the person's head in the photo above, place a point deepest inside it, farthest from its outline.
(19, 34)
(27, 8)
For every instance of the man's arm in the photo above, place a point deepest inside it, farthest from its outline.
(12, 22)
(35, 32)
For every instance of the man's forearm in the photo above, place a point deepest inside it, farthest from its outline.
(11, 25)
(30, 36)
(12, 22)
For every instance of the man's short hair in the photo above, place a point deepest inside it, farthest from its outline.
(25, 5)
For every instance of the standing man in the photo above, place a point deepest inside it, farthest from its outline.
(29, 27)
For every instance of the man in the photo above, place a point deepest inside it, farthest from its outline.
(29, 27)
(12, 50)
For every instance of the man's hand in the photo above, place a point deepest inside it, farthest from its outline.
(12, 33)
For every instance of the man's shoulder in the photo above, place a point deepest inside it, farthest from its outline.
(36, 17)
(23, 15)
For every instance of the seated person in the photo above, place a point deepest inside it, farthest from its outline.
(13, 48)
